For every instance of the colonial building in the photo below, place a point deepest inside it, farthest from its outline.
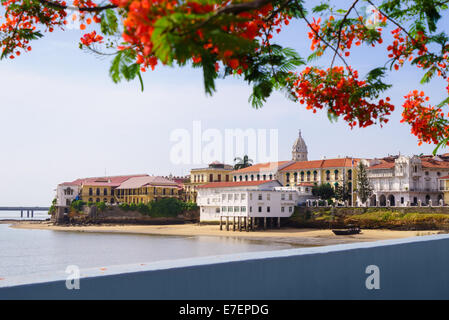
(215, 172)
(403, 181)
(246, 199)
(260, 171)
(66, 193)
(146, 189)
(140, 188)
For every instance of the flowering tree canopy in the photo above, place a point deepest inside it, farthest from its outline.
(235, 37)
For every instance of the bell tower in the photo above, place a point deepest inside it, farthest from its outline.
(299, 150)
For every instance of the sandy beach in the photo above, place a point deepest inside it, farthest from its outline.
(294, 236)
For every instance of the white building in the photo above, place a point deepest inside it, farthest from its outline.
(248, 199)
(404, 181)
(66, 193)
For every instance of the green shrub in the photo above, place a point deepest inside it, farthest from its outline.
(101, 206)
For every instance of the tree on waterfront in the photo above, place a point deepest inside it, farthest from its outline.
(364, 188)
(324, 191)
(237, 38)
(343, 191)
(242, 163)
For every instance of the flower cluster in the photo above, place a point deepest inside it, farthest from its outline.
(21, 20)
(339, 90)
(403, 47)
(91, 37)
(428, 123)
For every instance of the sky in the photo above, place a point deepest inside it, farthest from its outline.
(63, 118)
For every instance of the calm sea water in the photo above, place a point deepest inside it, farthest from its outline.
(29, 252)
(15, 215)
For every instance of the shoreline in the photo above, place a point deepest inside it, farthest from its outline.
(292, 236)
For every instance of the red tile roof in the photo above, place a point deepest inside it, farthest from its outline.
(444, 178)
(260, 167)
(138, 182)
(382, 165)
(325, 163)
(234, 184)
(113, 181)
(435, 164)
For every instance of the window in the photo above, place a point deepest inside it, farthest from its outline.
(336, 174)
(250, 196)
(90, 191)
(260, 196)
(302, 176)
(268, 196)
(105, 200)
(271, 177)
(217, 210)
(258, 177)
(211, 178)
(260, 209)
(227, 177)
(308, 175)
(98, 192)
(427, 173)
(236, 209)
(243, 209)
(264, 177)
(219, 177)
(282, 209)
(105, 192)
(241, 178)
(268, 209)
(223, 197)
(350, 174)
(315, 175)
(243, 196)
(290, 196)
(230, 209)
(328, 175)
(252, 177)
(290, 209)
(97, 200)
(282, 196)
(223, 209)
(250, 209)
(236, 196)
(230, 197)
(246, 178)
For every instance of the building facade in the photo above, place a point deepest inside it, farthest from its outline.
(248, 199)
(215, 172)
(407, 181)
(146, 189)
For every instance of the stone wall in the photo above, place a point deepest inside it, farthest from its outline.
(91, 215)
(402, 218)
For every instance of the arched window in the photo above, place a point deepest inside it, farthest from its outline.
(90, 191)
(264, 177)
(350, 174)
(328, 175)
(271, 177)
(246, 177)
(315, 175)
(105, 200)
(252, 177)
(295, 176)
(105, 192)
(258, 177)
(287, 177)
(308, 175)
(336, 174)
(302, 176)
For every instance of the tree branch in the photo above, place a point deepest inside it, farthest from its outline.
(340, 28)
(59, 6)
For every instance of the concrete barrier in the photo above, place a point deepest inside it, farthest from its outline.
(413, 268)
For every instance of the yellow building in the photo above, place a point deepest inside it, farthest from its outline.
(101, 189)
(146, 189)
(215, 172)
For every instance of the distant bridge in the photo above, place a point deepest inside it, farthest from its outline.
(29, 210)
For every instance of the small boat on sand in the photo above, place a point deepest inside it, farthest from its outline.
(350, 229)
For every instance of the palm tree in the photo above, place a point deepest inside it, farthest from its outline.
(242, 163)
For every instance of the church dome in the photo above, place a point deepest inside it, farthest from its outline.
(299, 150)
